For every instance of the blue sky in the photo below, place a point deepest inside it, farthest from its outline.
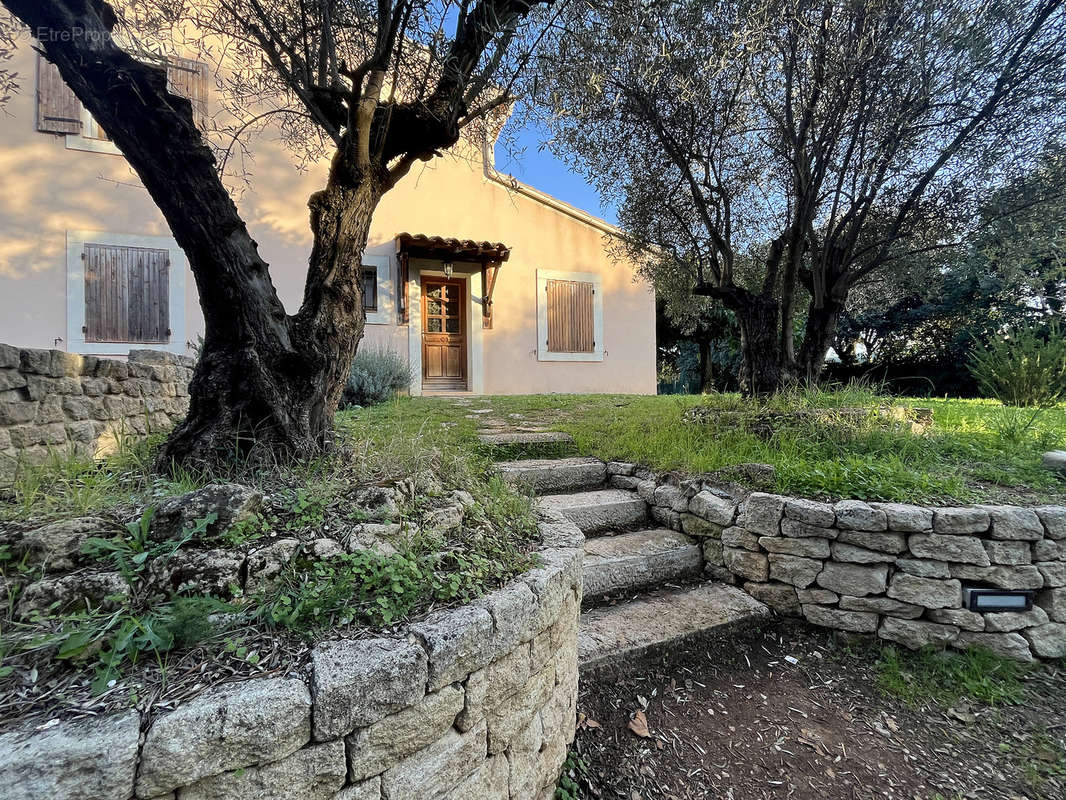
(534, 165)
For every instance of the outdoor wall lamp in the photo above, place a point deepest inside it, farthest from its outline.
(448, 270)
(976, 599)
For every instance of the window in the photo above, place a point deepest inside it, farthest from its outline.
(370, 288)
(59, 111)
(124, 291)
(127, 294)
(569, 316)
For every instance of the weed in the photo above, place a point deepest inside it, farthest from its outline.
(944, 677)
(575, 778)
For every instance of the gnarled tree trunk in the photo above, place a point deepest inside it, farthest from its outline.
(761, 370)
(817, 339)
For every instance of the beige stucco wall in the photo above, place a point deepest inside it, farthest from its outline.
(49, 190)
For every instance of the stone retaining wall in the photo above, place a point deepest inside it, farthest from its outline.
(56, 402)
(475, 702)
(880, 568)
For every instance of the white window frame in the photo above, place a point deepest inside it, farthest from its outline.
(79, 141)
(385, 313)
(76, 241)
(545, 275)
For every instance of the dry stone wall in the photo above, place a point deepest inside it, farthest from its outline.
(473, 702)
(894, 570)
(57, 402)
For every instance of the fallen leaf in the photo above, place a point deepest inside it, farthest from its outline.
(639, 725)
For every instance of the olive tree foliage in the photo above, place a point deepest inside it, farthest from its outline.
(377, 87)
(776, 154)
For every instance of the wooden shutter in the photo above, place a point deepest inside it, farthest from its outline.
(188, 78)
(58, 110)
(127, 294)
(571, 317)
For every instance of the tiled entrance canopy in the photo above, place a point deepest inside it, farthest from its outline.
(438, 247)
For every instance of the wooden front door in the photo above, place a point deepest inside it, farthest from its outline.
(443, 334)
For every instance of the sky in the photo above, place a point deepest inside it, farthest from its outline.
(534, 165)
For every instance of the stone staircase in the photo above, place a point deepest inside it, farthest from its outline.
(644, 584)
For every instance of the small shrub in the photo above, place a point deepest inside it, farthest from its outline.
(376, 376)
(1026, 368)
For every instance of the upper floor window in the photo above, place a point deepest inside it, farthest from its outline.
(59, 110)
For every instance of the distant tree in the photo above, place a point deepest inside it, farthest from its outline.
(380, 85)
(775, 152)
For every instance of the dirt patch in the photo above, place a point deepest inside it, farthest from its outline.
(734, 718)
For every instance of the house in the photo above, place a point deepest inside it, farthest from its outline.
(484, 284)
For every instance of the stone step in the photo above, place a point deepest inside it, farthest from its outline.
(544, 475)
(653, 621)
(635, 560)
(598, 511)
(519, 438)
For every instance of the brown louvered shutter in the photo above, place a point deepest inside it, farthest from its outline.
(571, 317)
(127, 294)
(188, 78)
(58, 110)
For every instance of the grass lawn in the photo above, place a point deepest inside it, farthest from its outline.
(976, 450)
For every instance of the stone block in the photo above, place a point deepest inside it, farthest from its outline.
(1044, 550)
(314, 773)
(810, 512)
(794, 570)
(713, 552)
(1014, 524)
(761, 513)
(646, 491)
(858, 555)
(753, 566)
(437, 769)
(960, 520)
(490, 781)
(620, 468)
(373, 750)
(945, 547)
(875, 540)
(781, 597)
(859, 516)
(17, 412)
(801, 530)
(906, 518)
(712, 508)
(513, 713)
(552, 583)
(37, 362)
(853, 579)
(514, 613)
(923, 568)
(1054, 520)
(11, 379)
(822, 597)
(809, 547)
(58, 545)
(959, 617)
(926, 592)
(1006, 621)
(882, 605)
(1025, 576)
(1012, 553)
(524, 780)
(365, 790)
(670, 497)
(699, 527)
(854, 621)
(1009, 645)
(356, 683)
(1047, 641)
(1053, 601)
(740, 538)
(226, 728)
(915, 634)
(1054, 573)
(9, 357)
(93, 759)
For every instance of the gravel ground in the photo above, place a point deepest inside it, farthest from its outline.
(733, 717)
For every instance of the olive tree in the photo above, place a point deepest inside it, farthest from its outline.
(779, 153)
(380, 85)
